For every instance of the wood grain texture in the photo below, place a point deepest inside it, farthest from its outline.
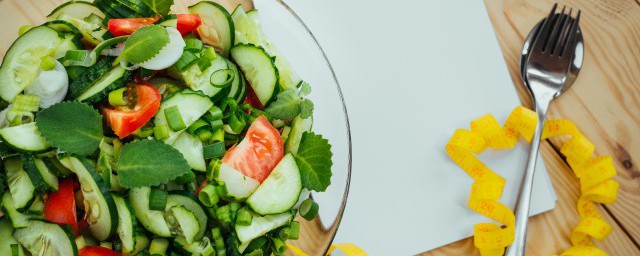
(605, 105)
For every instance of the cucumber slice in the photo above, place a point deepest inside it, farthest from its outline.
(190, 202)
(202, 247)
(238, 185)
(76, 9)
(280, 191)
(142, 243)
(116, 78)
(24, 137)
(69, 43)
(21, 63)
(298, 127)
(258, 68)
(18, 219)
(235, 90)
(20, 186)
(126, 224)
(41, 177)
(153, 221)
(217, 27)
(186, 220)
(201, 80)
(260, 225)
(92, 33)
(42, 238)
(64, 27)
(191, 149)
(192, 106)
(7, 239)
(101, 211)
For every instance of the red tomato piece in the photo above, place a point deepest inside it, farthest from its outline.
(60, 206)
(123, 27)
(259, 152)
(124, 120)
(187, 23)
(97, 251)
(252, 98)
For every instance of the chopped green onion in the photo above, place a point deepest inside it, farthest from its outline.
(24, 29)
(145, 132)
(191, 186)
(230, 139)
(233, 208)
(15, 250)
(222, 78)
(215, 113)
(157, 199)
(174, 118)
(218, 135)
(208, 196)
(224, 214)
(204, 135)
(26, 102)
(285, 133)
(309, 209)
(48, 63)
(257, 252)
(217, 124)
(283, 233)
(117, 98)
(236, 124)
(207, 56)
(214, 150)
(218, 241)
(159, 246)
(161, 132)
(186, 60)
(80, 242)
(221, 190)
(256, 244)
(294, 230)
(279, 246)
(193, 45)
(243, 217)
(213, 169)
(19, 117)
(197, 125)
(87, 58)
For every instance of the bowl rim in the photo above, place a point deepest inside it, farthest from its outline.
(343, 204)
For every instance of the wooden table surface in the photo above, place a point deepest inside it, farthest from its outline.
(604, 102)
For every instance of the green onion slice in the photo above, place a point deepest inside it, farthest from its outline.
(222, 78)
(87, 58)
(174, 118)
(208, 196)
(309, 209)
(117, 98)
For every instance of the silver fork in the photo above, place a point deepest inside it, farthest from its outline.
(550, 69)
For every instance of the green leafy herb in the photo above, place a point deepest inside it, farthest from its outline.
(314, 160)
(145, 44)
(146, 163)
(71, 126)
(291, 103)
(160, 7)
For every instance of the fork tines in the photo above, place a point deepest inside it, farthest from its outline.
(558, 31)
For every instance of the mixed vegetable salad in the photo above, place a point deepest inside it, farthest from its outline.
(131, 130)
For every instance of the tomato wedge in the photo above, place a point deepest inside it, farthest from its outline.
(252, 98)
(124, 120)
(123, 27)
(97, 251)
(259, 152)
(187, 23)
(60, 206)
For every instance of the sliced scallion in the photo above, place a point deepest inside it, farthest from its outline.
(243, 217)
(159, 246)
(204, 134)
(174, 118)
(15, 250)
(193, 45)
(218, 240)
(308, 209)
(294, 230)
(215, 113)
(117, 98)
(26, 103)
(186, 60)
(161, 132)
(197, 125)
(48, 63)
(145, 132)
(208, 196)
(222, 78)
(214, 150)
(158, 199)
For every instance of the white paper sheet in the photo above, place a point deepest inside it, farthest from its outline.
(412, 72)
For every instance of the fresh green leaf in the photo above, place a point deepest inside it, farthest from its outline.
(306, 108)
(286, 106)
(145, 44)
(305, 89)
(160, 7)
(71, 126)
(314, 161)
(146, 163)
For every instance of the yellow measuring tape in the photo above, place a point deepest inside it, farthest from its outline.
(595, 175)
(347, 249)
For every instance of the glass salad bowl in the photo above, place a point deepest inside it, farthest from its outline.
(292, 37)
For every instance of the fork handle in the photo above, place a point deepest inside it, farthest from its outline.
(517, 248)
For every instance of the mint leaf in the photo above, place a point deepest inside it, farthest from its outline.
(145, 43)
(286, 106)
(146, 163)
(71, 126)
(314, 161)
(306, 108)
(160, 7)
